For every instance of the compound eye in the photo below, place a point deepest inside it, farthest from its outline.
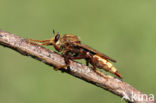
(57, 37)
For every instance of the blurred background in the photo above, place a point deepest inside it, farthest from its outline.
(124, 30)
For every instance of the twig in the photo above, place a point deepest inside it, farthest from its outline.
(78, 70)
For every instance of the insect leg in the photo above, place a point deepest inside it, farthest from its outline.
(41, 41)
(45, 42)
(92, 63)
(78, 57)
(56, 47)
(82, 56)
(87, 61)
(66, 55)
(94, 67)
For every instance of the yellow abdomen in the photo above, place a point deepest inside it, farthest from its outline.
(105, 65)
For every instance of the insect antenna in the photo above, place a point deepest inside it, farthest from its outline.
(53, 31)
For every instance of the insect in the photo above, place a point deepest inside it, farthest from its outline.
(71, 48)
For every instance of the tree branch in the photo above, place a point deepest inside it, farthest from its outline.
(78, 70)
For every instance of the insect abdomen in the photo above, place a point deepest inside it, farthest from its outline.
(106, 65)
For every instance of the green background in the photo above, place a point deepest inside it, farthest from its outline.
(122, 29)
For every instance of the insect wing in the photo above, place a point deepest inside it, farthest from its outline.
(87, 48)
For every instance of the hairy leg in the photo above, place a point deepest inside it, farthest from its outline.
(66, 55)
(41, 41)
